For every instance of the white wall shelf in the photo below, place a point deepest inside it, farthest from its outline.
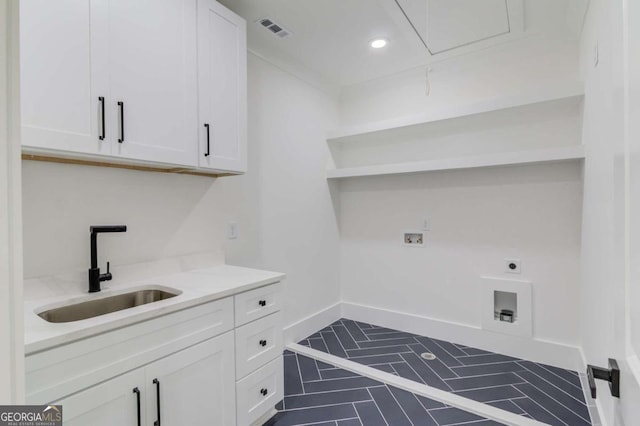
(569, 153)
(568, 94)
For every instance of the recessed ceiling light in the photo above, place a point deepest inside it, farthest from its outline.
(378, 43)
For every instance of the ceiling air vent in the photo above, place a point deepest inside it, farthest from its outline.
(276, 29)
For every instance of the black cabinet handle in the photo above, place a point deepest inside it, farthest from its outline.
(262, 303)
(121, 106)
(263, 343)
(102, 128)
(157, 383)
(206, 154)
(264, 391)
(137, 392)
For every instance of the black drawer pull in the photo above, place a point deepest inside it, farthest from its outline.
(264, 391)
(263, 343)
(102, 128)
(137, 392)
(157, 383)
(206, 154)
(121, 106)
(262, 303)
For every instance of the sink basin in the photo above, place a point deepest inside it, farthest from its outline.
(96, 307)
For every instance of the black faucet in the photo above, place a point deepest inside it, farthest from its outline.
(95, 277)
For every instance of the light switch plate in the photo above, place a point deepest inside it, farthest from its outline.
(232, 230)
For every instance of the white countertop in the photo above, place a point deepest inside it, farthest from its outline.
(197, 286)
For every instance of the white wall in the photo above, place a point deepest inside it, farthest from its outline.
(521, 68)
(167, 215)
(12, 348)
(285, 213)
(478, 218)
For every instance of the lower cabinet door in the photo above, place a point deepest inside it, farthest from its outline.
(195, 386)
(111, 403)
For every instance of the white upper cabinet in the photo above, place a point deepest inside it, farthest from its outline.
(222, 88)
(63, 76)
(152, 79)
(135, 81)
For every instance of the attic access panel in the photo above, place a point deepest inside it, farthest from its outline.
(446, 25)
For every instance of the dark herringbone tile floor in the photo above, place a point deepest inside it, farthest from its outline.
(322, 395)
(548, 394)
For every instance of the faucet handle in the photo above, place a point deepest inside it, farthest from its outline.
(108, 267)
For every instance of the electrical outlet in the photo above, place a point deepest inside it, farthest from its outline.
(232, 230)
(426, 224)
(415, 239)
(512, 266)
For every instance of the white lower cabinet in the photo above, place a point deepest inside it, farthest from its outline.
(111, 403)
(174, 370)
(190, 387)
(260, 391)
(258, 343)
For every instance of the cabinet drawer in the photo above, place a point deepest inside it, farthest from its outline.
(260, 392)
(257, 303)
(258, 343)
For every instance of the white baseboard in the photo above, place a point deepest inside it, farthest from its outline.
(594, 405)
(551, 353)
(466, 404)
(314, 322)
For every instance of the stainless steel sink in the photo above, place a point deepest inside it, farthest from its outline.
(96, 307)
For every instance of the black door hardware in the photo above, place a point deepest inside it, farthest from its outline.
(95, 277)
(121, 106)
(102, 128)
(206, 154)
(264, 391)
(137, 392)
(611, 375)
(157, 383)
(262, 303)
(263, 343)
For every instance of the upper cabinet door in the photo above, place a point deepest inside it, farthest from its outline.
(63, 76)
(153, 79)
(222, 88)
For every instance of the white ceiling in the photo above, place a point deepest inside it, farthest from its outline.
(330, 38)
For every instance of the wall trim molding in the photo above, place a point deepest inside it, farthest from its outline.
(466, 404)
(11, 303)
(594, 405)
(314, 322)
(301, 73)
(537, 350)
